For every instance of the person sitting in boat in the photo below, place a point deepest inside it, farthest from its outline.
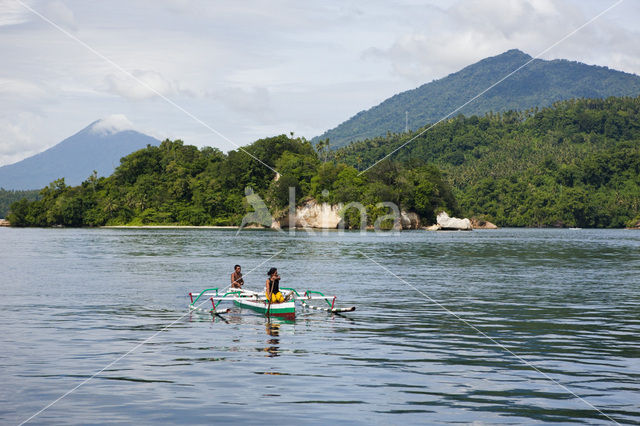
(272, 287)
(236, 277)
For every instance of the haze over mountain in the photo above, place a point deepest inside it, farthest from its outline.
(99, 146)
(539, 84)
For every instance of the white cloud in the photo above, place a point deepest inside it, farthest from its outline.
(112, 124)
(253, 100)
(20, 89)
(472, 30)
(13, 13)
(18, 137)
(60, 13)
(146, 84)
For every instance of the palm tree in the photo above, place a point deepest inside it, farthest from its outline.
(110, 206)
(322, 147)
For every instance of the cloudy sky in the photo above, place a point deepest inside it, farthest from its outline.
(226, 73)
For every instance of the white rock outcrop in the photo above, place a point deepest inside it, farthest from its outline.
(453, 223)
(312, 215)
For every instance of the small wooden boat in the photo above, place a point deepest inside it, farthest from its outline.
(258, 302)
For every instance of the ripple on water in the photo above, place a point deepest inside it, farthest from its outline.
(567, 303)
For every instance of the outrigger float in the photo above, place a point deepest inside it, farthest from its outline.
(259, 303)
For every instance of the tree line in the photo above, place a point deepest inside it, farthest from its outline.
(180, 184)
(576, 163)
(8, 197)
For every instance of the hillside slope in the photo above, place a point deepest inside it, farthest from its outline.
(75, 158)
(576, 163)
(539, 84)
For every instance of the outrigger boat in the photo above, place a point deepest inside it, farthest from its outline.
(259, 303)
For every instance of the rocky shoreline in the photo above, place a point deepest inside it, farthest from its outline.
(173, 227)
(408, 222)
(636, 226)
(482, 224)
(314, 215)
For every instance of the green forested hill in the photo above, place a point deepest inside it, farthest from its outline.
(574, 164)
(9, 197)
(539, 84)
(181, 184)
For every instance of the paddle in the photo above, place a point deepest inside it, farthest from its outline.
(268, 294)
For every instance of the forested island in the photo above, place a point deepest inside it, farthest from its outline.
(180, 184)
(576, 163)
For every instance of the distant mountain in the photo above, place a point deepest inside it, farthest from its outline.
(539, 84)
(98, 146)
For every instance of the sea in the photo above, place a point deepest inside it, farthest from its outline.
(507, 326)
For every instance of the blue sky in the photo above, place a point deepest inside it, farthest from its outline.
(259, 68)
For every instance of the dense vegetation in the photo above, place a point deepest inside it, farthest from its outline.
(575, 164)
(179, 184)
(539, 84)
(9, 197)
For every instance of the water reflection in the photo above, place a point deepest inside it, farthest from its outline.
(201, 316)
(567, 302)
(273, 330)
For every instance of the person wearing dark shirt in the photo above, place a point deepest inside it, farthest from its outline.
(272, 287)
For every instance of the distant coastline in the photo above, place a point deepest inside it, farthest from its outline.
(5, 223)
(169, 227)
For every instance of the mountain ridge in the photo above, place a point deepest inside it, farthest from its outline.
(99, 146)
(539, 84)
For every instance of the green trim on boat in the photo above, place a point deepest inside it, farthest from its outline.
(291, 289)
(226, 294)
(274, 309)
(317, 292)
(203, 292)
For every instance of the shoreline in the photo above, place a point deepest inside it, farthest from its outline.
(5, 223)
(333, 229)
(173, 227)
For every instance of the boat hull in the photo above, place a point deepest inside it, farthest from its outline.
(282, 310)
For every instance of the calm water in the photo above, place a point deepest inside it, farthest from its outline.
(568, 302)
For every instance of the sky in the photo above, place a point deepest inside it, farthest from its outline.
(226, 73)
